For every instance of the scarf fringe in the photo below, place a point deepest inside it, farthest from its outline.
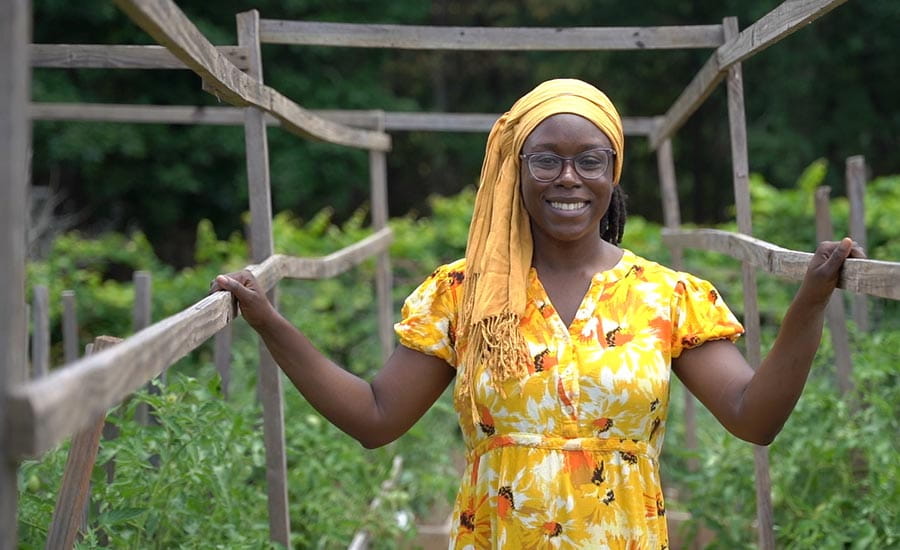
(496, 343)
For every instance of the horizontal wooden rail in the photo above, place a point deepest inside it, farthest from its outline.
(872, 277)
(410, 37)
(166, 23)
(43, 412)
(785, 19)
(103, 56)
(393, 121)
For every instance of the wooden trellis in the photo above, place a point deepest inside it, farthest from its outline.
(35, 415)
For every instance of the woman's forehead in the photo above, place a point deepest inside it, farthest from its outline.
(565, 128)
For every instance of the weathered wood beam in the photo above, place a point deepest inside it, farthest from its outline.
(41, 413)
(75, 487)
(15, 136)
(785, 19)
(166, 23)
(102, 56)
(393, 121)
(275, 31)
(872, 277)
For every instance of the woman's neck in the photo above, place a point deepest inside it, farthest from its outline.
(589, 256)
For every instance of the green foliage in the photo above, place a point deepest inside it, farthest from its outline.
(116, 174)
(834, 466)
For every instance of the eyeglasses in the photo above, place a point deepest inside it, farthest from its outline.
(590, 164)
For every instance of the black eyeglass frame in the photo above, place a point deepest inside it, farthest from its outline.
(527, 158)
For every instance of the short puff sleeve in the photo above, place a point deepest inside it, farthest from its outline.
(429, 314)
(700, 314)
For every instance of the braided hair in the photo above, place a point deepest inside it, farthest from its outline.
(612, 225)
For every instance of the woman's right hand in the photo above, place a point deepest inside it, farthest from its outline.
(255, 306)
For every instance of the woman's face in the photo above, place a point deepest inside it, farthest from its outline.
(568, 208)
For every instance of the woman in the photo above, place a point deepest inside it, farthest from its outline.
(561, 343)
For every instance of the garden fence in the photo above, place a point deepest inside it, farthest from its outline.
(37, 414)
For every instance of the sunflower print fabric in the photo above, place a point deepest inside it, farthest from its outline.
(567, 457)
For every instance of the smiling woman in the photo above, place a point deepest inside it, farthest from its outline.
(561, 344)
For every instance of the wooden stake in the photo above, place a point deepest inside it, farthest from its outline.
(740, 171)
(74, 492)
(262, 247)
(856, 191)
(835, 314)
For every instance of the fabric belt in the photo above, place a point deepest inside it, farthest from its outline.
(536, 441)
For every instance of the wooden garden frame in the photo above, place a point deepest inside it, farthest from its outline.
(36, 415)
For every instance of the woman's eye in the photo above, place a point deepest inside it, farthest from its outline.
(590, 162)
(545, 161)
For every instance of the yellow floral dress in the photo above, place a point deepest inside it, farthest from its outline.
(568, 458)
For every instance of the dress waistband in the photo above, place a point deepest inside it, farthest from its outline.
(537, 441)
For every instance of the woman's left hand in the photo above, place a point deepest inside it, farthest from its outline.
(824, 268)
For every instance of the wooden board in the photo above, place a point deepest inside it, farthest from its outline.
(872, 277)
(393, 121)
(15, 90)
(166, 23)
(787, 18)
(103, 56)
(275, 31)
(50, 409)
(74, 491)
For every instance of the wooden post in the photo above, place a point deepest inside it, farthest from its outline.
(383, 277)
(222, 357)
(40, 336)
(262, 247)
(15, 136)
(74, 492)
(835, 314)
(141, 316)
(740, 174)
(69, 326)
(855, 178)
(672, 219)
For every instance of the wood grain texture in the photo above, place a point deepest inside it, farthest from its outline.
(872, 277)
(855, 180)
(338, 262)
(40, 334)
(737, 125)
(233, 116)
(262, 246)
(222, 358)
(384, 281)
(166, 23)
(103, 56)
(276, 31)
(56, 406)
(69, 326)
(74, 489)
(835, 314)
(787, 18)
(15, 90)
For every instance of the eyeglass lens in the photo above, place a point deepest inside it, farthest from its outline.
(589, 164)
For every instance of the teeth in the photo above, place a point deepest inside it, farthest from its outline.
(568, 205)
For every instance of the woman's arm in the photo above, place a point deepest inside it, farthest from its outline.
(373, 413)
(755, 405)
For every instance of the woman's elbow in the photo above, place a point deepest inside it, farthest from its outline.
(761, 438)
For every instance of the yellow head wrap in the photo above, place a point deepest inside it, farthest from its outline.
(499, 248)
